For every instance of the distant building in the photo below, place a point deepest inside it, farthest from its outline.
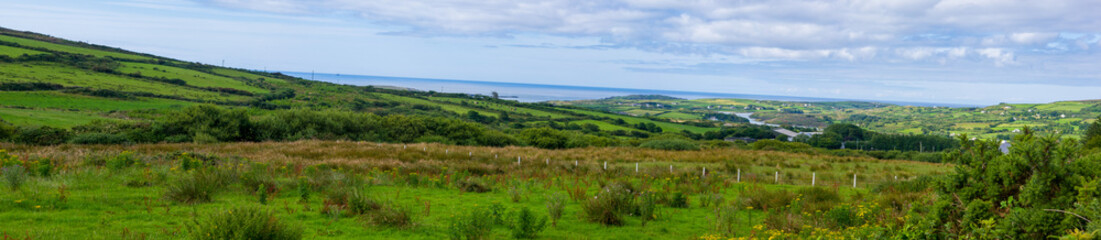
(1004, 147)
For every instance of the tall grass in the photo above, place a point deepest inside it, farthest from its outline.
(244, 223)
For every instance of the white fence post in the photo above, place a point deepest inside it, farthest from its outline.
(704, 174)
(777, 177)
(517, 160)
(739, 175)
(548, 161)
(854, 180)
(636, 167)
(605, 165)
(670, 168)
(813, 177)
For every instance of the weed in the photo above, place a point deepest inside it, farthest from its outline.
(391, 215)
(121, 161)
(244, 223)
(647, 207)
(555, 204)
(516, 193)
(14, 176)
(765, 200)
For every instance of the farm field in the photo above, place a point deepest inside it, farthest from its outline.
(120, 191)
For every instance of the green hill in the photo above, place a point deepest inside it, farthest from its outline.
(53, 82)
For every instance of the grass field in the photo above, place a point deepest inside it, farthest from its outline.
(69, 49)
(192, 77)
(63, 101)
(634, 120)
(47, 117)
(69, 76)
(110, 198)
(15, 52)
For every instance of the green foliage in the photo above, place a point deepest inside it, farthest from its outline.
(608, 206)
(556, 204)
(121, 161)
(647, 207)
(1092, 138)
(544, 137)
(208, 123)
(14, 176)
(198, 186)
(671, 144)
(473, 225)
(1013, 196)
(767, 200)
(678, 200)
(42, 135)
(244, 223)
(527, 225)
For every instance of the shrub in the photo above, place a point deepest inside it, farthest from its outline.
(121, 161)
(471, 226)
(516, 193)
(678, 200)
(608, 204)
(526, 225)
(711, 199)
(360, 203)
(244, 223)
(765, 200)
(473, 185)
(818, 199)
(14, 176)
(41, 136)
(391, 215)
(197, 187)
(671, 144)
(555, 205)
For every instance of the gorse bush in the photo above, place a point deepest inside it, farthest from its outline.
(244, 223)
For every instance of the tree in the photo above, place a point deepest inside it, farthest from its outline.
(1092, 137)
(544, 137)
(847, 132)
(495, 95)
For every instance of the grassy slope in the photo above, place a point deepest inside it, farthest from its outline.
(101, 206)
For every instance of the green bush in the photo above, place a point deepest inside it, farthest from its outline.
(42, 135)
(526, 225)
(473, 185)
(198, 187)
(244, 223)
(678, 200)
(391, 215)
(14, 176)
(813, 199)
(671, 144)
(473, 225)
(647, 207)
(121, 161)
(766, 200)
(555, 205)
(610, 203)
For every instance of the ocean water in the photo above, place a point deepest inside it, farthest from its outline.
(524, 92)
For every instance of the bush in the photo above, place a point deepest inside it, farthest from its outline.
(473, 185)
(678, 200)
(818, 199)
(360, 203)
(671, 144)
(244, 223)
(391, 215)
(471, 226)
(555, 204)
(765, 200)
(14, 176)
(197, 187)
(41, 136)
(608, 204)
(121, 161)
(526, 225)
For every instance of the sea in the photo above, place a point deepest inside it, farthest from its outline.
(526, 92)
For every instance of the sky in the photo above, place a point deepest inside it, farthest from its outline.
(941, 51)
